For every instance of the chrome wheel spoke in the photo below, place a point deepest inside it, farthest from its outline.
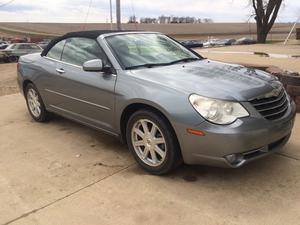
(38, 104)
(139, 143)
(139, 132)
(159, 151)
(145, 153)
(153, 131)
(153, 156)
(31, 94)
(38, 110)
(158, 141)
(145, 127)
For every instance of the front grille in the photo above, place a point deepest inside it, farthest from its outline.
(272, 108)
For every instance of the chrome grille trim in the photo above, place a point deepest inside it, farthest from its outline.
(272, 108)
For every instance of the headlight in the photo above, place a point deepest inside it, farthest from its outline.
(218, 111)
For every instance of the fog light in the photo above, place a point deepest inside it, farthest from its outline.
(234, 158)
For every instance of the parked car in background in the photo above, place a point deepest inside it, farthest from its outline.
(14, 51)
(169, 104)
(192, 44)
(3, 42)
(225, 42)
(245, 41)
(211, 43)
(43, 44)
(3, 46)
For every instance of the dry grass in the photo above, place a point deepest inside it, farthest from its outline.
(8, 79)
(180, 31)
(233, 56)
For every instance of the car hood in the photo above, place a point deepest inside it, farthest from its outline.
(212, 79)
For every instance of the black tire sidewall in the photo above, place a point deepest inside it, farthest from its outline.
(172, 159)
(43, 115)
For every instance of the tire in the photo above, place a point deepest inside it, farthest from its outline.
(13, 59)
(166, 156)
(35, 104)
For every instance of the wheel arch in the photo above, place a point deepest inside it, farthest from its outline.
(134, 107)
(24, 85)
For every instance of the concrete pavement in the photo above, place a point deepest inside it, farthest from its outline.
(64, 173)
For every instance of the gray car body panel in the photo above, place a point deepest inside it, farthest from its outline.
(98, 100)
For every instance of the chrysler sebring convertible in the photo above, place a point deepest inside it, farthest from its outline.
(166, 102)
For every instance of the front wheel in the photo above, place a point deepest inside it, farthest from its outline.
(153, 142)
(13, 59)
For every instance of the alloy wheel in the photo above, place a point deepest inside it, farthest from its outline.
(149, 142)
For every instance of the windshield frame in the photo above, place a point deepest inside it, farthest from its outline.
(123, 67)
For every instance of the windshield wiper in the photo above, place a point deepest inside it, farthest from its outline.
(147, 65)
(150, 65)
(184, 60)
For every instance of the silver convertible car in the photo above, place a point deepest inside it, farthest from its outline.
(169, 104)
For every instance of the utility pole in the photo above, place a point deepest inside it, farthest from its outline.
(118, 8)
(111, 16)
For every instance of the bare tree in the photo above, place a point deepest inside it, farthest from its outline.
(266, 12)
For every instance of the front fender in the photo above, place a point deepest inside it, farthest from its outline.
(174, 104)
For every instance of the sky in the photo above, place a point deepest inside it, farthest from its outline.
(78, 11)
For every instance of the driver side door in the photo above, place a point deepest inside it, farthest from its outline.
(80, 95)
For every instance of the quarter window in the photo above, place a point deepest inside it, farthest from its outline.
(34, 47)
(79, 50)
(56, 51)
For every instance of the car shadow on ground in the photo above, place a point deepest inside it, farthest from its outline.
(95, 137)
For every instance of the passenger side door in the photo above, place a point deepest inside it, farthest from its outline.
(21, 49)
(84, 96)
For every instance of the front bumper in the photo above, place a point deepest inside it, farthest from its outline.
(236, 144)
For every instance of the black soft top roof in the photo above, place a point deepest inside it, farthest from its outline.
(92, 34)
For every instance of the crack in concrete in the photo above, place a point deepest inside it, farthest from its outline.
(66, 196)
(287, 156)
(106, 165)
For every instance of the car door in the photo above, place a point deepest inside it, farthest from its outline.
(21, 49)
(84, 96)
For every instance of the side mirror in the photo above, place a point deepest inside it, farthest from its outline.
(95, 65)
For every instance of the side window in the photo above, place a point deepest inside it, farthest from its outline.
(79, 50)
(34, 47)
(24, 47)
(18, 46)
(56, 51)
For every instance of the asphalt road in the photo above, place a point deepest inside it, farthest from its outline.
(64, 173)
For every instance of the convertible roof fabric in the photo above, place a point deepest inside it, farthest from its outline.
(93, 34)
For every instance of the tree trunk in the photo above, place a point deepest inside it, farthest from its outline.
(262, 34)
(266, 13)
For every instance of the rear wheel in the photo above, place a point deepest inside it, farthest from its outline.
(153, 142)
(35, 104)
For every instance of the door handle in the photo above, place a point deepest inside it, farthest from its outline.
(60, 71)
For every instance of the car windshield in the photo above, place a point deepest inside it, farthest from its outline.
(11, 47)
(148, 50)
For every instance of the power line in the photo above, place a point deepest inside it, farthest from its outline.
(133, 11)
(87, 14)
(111, 16)
(7, 3)
(118, 12)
